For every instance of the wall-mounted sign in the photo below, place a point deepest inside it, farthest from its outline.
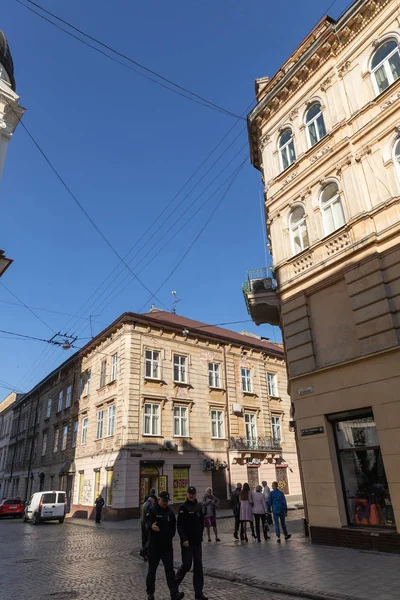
(312, 431)
(305, 390)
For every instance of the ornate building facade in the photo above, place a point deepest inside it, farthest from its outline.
(325, 135)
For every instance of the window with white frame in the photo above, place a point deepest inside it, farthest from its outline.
(69, 397)
(180, 421)
(276, 428)
(250, 422)
(48, 409)
(152, 367)
(44, 444)
(151, 424)
(286, 149)
(315, 124)
(64, 438)
(246, 380)
(103, 372)
(80, 387)
(385, 65)
(110, 420)
(214, 375)
(88, 380)
(396, 156)
(114, 366)
(332, 209)
(85, 423)
(272, 385)
(75, 434)
(60, 401)
(100, 423)
(56, 438)
(217, 424)
(180, 368)
(298, 230)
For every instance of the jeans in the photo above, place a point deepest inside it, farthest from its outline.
(280, 518)
(192, 554)
(236, 514)
(166, 554)
(257, 520)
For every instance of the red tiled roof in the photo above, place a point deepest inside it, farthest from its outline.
(167, 318)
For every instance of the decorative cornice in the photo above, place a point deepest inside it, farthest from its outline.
(390, 101)
(319, 154)
(326, 83)
(290, 178)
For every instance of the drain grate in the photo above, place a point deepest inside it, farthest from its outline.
(70, 595)
(26, 560)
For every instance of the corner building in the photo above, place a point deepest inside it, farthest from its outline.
(325, 135)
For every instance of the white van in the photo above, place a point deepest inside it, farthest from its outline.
(46, 506)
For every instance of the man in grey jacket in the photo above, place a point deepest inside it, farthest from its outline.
(152, 499)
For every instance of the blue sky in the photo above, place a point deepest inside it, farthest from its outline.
(125, 147)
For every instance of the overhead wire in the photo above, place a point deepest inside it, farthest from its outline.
(22, 303)
(184, 91)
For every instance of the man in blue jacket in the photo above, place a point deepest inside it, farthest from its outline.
(277, 505)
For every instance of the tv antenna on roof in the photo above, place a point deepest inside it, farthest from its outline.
(174, 302)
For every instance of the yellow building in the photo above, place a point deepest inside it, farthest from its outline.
(325, 135)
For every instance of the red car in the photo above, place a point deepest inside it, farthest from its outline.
(11, 507)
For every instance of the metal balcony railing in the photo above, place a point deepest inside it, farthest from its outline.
(259, 443)
(258, 280)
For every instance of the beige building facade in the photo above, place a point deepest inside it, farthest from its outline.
(325, 135)
(156, 400)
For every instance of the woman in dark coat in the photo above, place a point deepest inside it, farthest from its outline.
(99, 503)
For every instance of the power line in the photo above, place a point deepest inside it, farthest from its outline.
(27, 307)
(55, 312)
(193, 96)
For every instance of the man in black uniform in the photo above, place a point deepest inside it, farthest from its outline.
(235, 504)
(190, 529)
(162, 528)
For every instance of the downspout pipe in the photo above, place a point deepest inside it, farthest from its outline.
(228, 423)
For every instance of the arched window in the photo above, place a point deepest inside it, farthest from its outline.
(385, 65)
(396, 156)
(315, 123)
(298, 230)
(286, 148)
(332, 210)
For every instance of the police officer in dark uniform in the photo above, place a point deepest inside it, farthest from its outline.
(162, 528)
(190, 529)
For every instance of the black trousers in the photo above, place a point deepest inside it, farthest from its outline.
(166, 554)
(98, 516)
(257, 519)
(236, 514)
(192, 554)
(145, 535)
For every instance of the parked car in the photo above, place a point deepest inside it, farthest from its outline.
(11, 507)
(46, 506)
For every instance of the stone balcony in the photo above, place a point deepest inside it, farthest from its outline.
(261, 297)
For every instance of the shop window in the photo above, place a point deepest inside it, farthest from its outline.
(180, 484)
(109, 487)
(149, 479)
(365, 486)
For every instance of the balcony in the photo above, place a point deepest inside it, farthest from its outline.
(261, 297)
(258, 444)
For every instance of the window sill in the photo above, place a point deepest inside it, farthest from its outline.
(107, 437)
(216, 389)
(111, 382)
(152, 435)
(182, 437)
(219, 439)
(101, 388)
(46, 418)
(249, 394)
(275, 398)
(154, 380)
(182, 383)
(67, 407)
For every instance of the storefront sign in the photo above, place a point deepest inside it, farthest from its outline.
(305, 390)
(163, 483)
(312, 431)
(181, 484)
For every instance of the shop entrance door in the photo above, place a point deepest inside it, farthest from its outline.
(282, 479)
(253, 477)
(148, 479)
(218, 483)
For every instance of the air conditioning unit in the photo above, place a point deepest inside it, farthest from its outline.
(259, 285)
(208, 465)
(169, 445)
(236, 409)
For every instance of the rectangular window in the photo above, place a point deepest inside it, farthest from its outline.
(217, 424)
(246, 380)
(44, 444)
(65, 437)
(250, 421)
(50, 498)
(180, 369)
(180, 421)
(114, 366)
(69, 397)
(111, 420)
(84, 430)
(60, 401)
(56, 436)
(80, 387)
(75, 434)
(103, 372)
(214, 379)
(100, 421)
(48, 410)
(276, 428)
(109, 487)
(81, 487)
(151, 424)
(365, 486)
(88, 379)
(272, 385)
(152, 364)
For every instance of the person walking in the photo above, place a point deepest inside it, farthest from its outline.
(151, 500)
(190, 530)
(210, 504)
(162, 529)
(246, 512)
(266, 491)
(259, 512)
(99, 503)
(235, 505)
(277, 505)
